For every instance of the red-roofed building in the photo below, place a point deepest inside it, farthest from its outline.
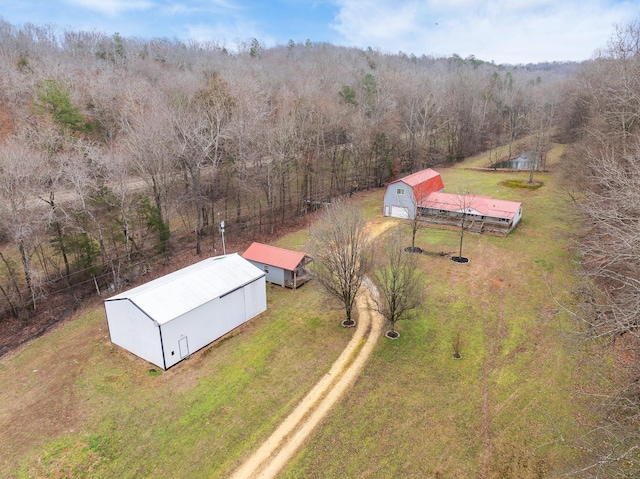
(402, 196)
(422, 194)
(281, 266)
(484, 214)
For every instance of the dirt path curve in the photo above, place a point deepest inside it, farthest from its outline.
(279, 448)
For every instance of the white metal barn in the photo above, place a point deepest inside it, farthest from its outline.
(167, 319)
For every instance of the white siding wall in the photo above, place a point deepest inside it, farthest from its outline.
(255, 298)
(399, 205)
(274, 274)
(212, 320)
(517, 218)
(133, 330)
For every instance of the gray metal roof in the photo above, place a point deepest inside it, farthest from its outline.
(177, 293)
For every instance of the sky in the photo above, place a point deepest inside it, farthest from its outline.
(503, 31)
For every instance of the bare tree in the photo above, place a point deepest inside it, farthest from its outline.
(399, 282)
(339, 246)
(542, 120)
(53, 143)
(416, 223)
(95, 210)
(465, 202)
(24, 224)
(420, 111)
(516, 110)
(153, 154)
(275, 169)
(612, 246)
(605, 166)
(201, 121)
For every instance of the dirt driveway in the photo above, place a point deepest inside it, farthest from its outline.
(280, 447)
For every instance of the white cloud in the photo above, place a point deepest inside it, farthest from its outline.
(362, 19)
(113, 7)
(506, 31)
(202, 7)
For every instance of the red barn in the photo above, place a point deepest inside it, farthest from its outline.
(402, 196)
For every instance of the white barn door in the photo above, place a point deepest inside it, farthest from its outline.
(183, 344)
(400, 212)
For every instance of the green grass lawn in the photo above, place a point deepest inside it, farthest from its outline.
(77, 406)
(94, 410)
(502, 409)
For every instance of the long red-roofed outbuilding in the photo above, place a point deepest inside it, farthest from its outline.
(422, 194)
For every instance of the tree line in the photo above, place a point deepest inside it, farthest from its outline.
(602, 170)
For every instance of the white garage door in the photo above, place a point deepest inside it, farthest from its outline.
(399, 212)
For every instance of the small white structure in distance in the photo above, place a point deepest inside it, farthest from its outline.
(169, 318)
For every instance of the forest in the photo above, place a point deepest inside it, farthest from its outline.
(118, 152)
(113, 148)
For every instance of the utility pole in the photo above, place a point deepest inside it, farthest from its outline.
(224, 251)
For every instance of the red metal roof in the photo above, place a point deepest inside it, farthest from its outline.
(485, 205)
(274, 256)
(419, 177)
(423, 182)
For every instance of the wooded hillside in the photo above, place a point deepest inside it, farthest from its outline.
(112, 147)
(603, 176)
